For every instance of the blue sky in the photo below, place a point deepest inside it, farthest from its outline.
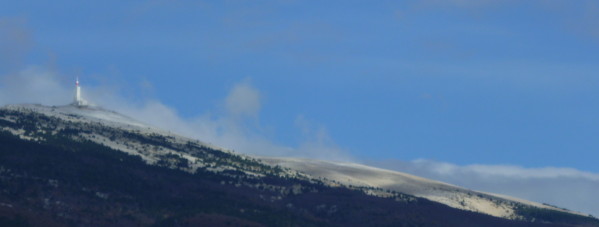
(459, 81)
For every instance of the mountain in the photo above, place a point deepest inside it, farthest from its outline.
(451, 195)
(87, 166)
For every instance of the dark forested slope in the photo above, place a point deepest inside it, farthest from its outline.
(59, 179)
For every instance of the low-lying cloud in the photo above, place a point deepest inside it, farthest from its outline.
(562, 187)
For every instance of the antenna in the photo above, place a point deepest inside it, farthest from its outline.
(78, 100)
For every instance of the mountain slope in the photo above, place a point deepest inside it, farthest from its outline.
(71, 166)
(451, 195)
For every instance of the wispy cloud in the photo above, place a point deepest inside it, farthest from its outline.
(577, 17)
(33, 85)
(563, 187)
(243, 100)
(237, 128)
(317, 143)
(15, 41)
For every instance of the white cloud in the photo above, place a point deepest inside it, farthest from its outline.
(33, 85)
(318, 143)
(243, 100)
(230, 130)
(564, 187)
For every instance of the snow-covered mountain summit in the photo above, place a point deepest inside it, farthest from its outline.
(78, 113)
(107, 128)
(93, 125)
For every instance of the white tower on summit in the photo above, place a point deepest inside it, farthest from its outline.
(78, 100)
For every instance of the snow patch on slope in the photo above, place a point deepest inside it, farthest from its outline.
(451, 195)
